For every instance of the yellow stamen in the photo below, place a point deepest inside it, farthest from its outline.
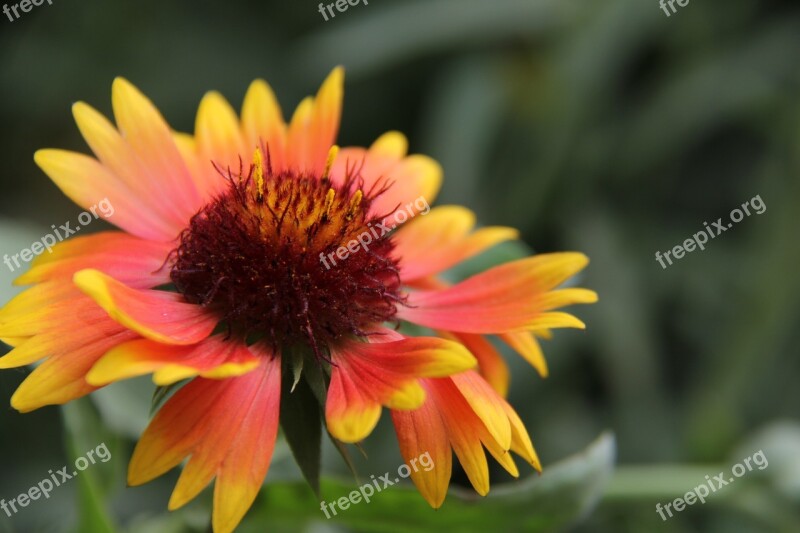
(258, 171)
(354, 203)
(334, 151)
(329, 201)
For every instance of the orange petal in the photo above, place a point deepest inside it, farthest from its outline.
(526, 345)
(413, 185)
(150, 138)
(314, 126)
(510, 297)
(244, 469)
(486, 404)
(133, 261)
(491, 364)
(87, 183)
(211, 358)
(219, 140)
(32, 300)
(366, 376)
(463, 429)
(262, 122)
(423, 439)
(68, 311)
(430, 244)
(60, 378)
(156, 315)
(128, 168)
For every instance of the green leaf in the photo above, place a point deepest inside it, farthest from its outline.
(82, 425)
(564, 493)
(301, 421)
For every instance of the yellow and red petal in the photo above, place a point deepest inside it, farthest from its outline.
(213, 358)
(228, 428)
(156, 315)
(87, 182)
(61, 378)
(441, 239)
(421, 432)
(463, 430)
(150, 138)
(491, 364)
(136, 262)
(520, 440)
(507, 298)
(36, 298)
(366, 376)
(218, 141)
(314, 126)
(263, 123)
(527, 346)
(411, 183)
(486, 404)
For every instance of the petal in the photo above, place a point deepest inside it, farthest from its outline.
(366, 376)
(242, 474)
(412, 186)
(520, 440)
(486, 404)
(131, 170)
(422, 433)
(236, 444)
(408, 183)
(175, 430)
(150, 138)
(32, 300)
(491, 364)
(262, 122)
(72, 309)
(219, 141)
(392, 145)
(60, 378)
(351, 411)
(131, 260)
(204, 415)
(430, 244)
(314, 126)
(87, 183)
(156, 315)
(510, 297)
(211, 358)
(74, 331)
(463, 429)
(526, 345)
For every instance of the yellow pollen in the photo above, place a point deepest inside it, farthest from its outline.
(329, 201)
(354, 203)
(258, 171)
(334, 151)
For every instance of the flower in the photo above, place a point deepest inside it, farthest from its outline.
(216, 279)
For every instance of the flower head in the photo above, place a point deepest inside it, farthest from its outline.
(252, 241)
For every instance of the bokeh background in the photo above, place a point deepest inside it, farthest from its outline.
(605, 127)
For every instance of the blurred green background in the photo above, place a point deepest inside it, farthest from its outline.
(600, 126)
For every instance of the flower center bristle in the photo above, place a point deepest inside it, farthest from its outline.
(253, 256)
